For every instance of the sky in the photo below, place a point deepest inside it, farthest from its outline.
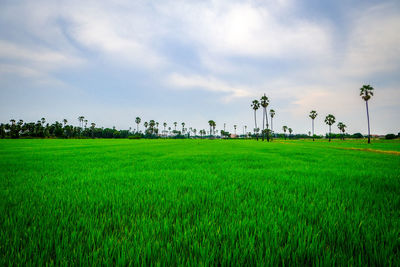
(195, 61)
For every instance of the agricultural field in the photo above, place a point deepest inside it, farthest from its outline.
(199, 202)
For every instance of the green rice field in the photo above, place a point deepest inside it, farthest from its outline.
(199, 202)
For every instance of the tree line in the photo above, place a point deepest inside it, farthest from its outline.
(154, 129)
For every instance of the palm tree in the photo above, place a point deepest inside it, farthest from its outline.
(264, 101)
(366, 93)
(290, 132)
(80, 119)
(330, 119)
(342, 128)
(234, 127)
(211, 123)
(313, 115)
(86, 121)
(255, 105)
(145, 126)
(175, 123)
(272, 114)
(92, 128)
(43, 121)
(224, 126)
(284, 128)
(183, 127)
(137, 120)
(152, 123)
(65, 122)
(245, 130)
(165, 125)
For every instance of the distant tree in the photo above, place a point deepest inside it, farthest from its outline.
(212, 125)
(390, 136)
(234, 126)
(264, 101)
(86, 121)
(175, 123)
(284, 128)
(152, 124)
(329, 120)
(255, 105)
(183, 127)
(366, 92)
(165, 125)
(65, 122)
(342, 128)
(313, 115)
(272, 114)
(80, 119)
(145, 124)
(93, 125)
(137, 121)
(290, 132)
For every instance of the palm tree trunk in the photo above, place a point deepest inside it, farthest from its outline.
(255, 123)
(263, 124)
(313, 129)
(369, 134)
(329, 133)
(272, 129)
(266, 119)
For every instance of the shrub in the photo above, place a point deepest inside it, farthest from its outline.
(390, 136)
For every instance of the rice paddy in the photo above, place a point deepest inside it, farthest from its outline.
(199, 202)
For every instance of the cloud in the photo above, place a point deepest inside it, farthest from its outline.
(209, 84)
(374, 43)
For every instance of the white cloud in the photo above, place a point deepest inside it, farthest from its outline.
(374, 45)
(209, 84)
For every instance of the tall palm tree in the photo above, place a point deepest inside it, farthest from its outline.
(152, 123)
(65, 122)
(211, 124)
(330, 119)
(234, 127)
(43, 121)
(86, 121)
(137, 120)
(80, 119)
(272, 114)
(284, 128)
(264, 101)
(366, 93)
(342, 128)
(245, 130)
(290, 132)
(183, 127)
(145, 125)
(175, 123)
(165, 125)
(313, 115)
(93, 125)
(255, 105)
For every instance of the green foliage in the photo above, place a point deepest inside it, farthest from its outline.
(390, 136)
(198, 202)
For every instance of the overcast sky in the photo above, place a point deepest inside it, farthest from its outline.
(192, 61)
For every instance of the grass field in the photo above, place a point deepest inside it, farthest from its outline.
(199, 202)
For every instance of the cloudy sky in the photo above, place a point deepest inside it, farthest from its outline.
(192, 61)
